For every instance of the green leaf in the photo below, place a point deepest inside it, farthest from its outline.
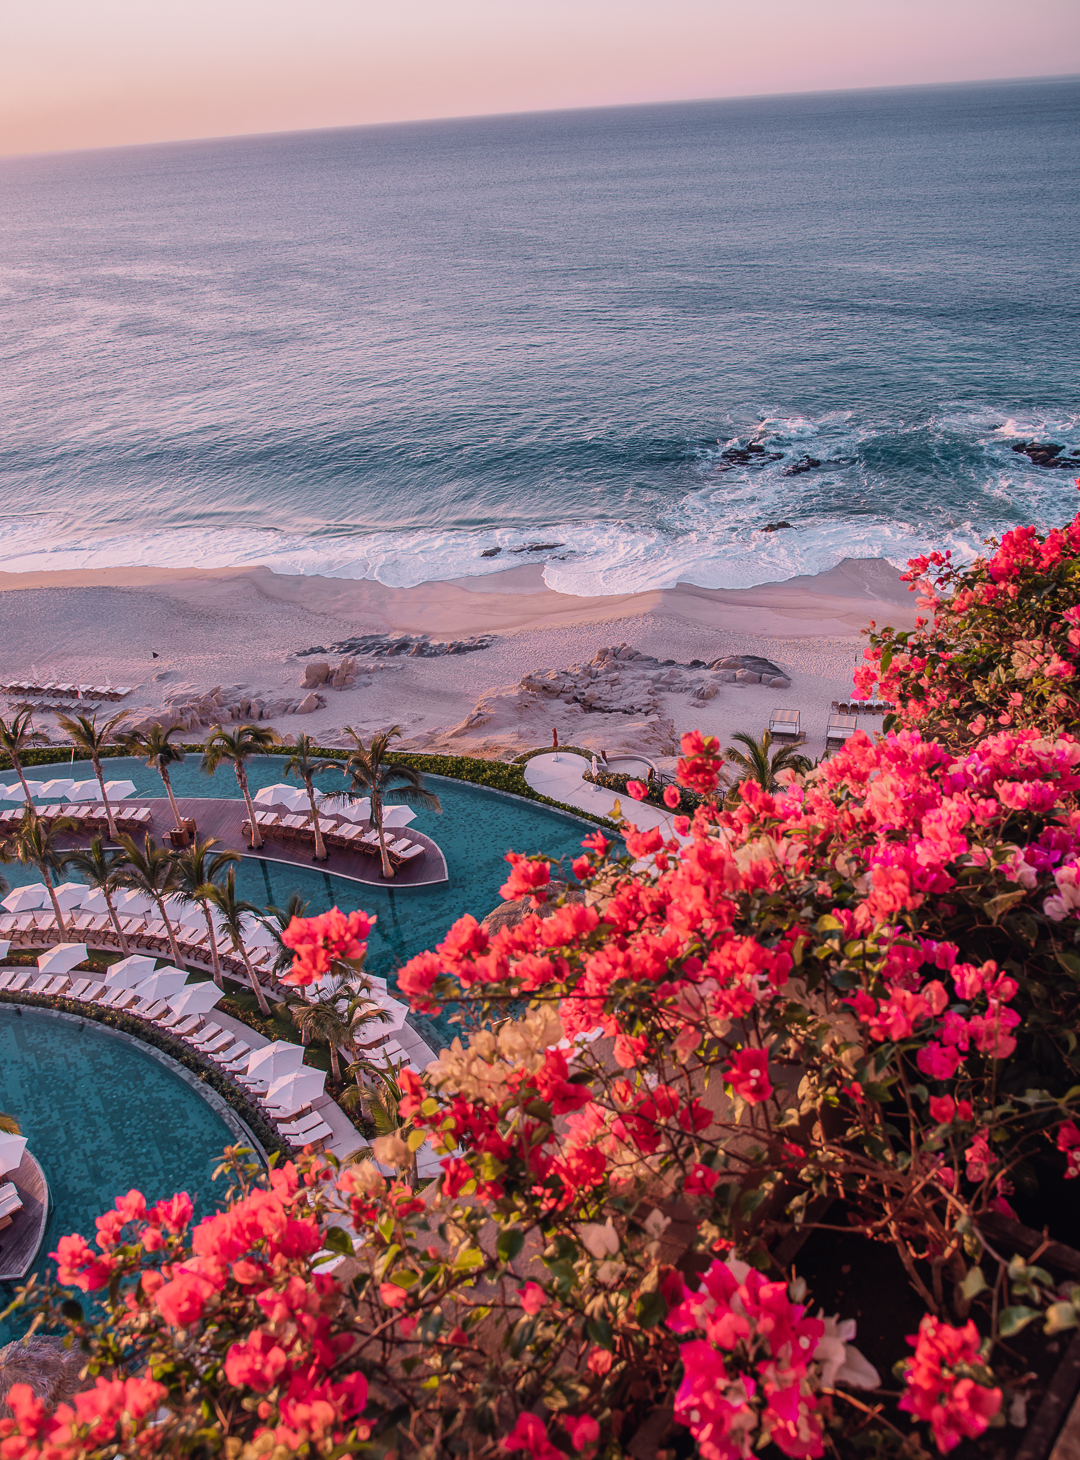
(1070, 962)
(599, 1330)
(828, 924)
(1060, 1316)
(1003, 902)
(509, 1243)
(974, 1283)
(1012, 1320)
(336, 1239)
(469, 1258)
(415, 1139)
(650, 1309)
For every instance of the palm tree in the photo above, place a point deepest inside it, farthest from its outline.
(199, 872)
(278, 920)
(374, 774)
(380, 1100)
(101, 868)
(34, 841)
(86, 735)
(153, 872)
(237, 745)
(305, 764)
(9, 1126)
(757, 764)
(335, 1021)
(156, 746)
(17, 736)
(222, 896)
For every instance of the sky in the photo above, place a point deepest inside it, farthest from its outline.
(100, 73)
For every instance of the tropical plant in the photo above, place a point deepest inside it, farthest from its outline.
(238, 746)
(372, 773)
(34, 843)
(152, 870)
(306, 763)
(100, 867)
(338, 1018)
(758, 761)
(276, 921)
(232, 910)
(156, 747)
(16, 736)
(87, 735)
(198, 875)
(9, 1126)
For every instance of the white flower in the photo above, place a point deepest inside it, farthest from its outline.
(1068, 899)
(600, 1241)
(841, 1362)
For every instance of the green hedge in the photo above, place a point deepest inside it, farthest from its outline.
(617, 782)
(182, 1053)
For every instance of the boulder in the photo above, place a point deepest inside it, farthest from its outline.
(747, 676)
(708, 689)
(308, 705)
(777, 682)
(317, 672)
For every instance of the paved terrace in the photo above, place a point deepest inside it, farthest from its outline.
(223, 819)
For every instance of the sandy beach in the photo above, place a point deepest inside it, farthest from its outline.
(242, 632)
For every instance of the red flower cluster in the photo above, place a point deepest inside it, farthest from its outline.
(318, 942)
(939, 1387)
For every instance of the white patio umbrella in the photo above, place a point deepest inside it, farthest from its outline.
(24, 898)
(297, 1088)
(130, 971)
(276, 1060)
(393, 1014)
(84, 791)
(351, 811)
(72, 894)
(395, 816)
(195, 998)
(16, 792)
(11, 1152)
(133, 903)
(162, 984)
(95, 902)
(255, 933)
(294, 797)
(56, 790)
(117, 790)
(62, 958)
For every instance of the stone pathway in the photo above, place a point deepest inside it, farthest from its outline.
(560, 776)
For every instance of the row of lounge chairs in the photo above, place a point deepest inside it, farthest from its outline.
(55, 687)
(86, 817)
(343, 836)
(59, 707)
(300, 1127)
(148, 935)
(861, 707)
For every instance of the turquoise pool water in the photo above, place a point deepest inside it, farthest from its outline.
(475, 831)
(102, 1116)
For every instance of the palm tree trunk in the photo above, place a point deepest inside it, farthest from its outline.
(47, 879)
(387, 870)
(335, 1062)
(257, 987)
(17, 764)
(124, 948)
(214, 959)
(320, 846)
(256, 836)
(164, 774)
(177, 957)
(104, 796)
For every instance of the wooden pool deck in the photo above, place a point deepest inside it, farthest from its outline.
(222, 819)
(19, 1243)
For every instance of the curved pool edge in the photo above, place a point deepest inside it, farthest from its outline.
(221, 1108)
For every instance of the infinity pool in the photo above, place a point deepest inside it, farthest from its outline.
(102, 1116)
(475, 830)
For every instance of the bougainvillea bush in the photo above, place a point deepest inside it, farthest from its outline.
(849, 1005)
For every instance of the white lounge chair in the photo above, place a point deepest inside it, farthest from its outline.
(311, 1136)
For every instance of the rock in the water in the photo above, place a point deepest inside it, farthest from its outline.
(804, 464)
(491, 552)
(775, 526)
(1048, 454)
(539, 547)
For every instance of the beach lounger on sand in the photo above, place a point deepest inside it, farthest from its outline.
(785, 724)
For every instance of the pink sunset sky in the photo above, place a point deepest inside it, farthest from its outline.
(76, 74)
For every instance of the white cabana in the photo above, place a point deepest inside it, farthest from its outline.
(299, 1087)
(72, 894)
(294, 797)
(117, 790)
(23, 899)
(63, 958)
(131, 971)
(59, 790)
(397, 816)
(11, 1152)
(84, 791)
(276, 1060)
(195, 998)
(162, 984)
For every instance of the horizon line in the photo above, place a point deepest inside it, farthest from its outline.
(552, 111)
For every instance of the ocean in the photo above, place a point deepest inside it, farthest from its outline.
(619, 342)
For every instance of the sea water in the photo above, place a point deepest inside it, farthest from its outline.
(389, 351)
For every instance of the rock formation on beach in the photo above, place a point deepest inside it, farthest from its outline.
(377, 646)
(1048, 454)
(191, 709)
